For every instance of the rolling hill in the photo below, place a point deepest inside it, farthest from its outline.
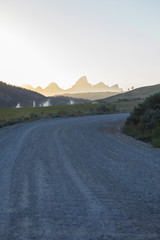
(12, 96)
(141, 93)
(127, 101)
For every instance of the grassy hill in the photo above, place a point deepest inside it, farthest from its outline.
(10, 96)
(125, 102)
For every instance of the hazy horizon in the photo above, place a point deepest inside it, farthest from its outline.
(110, 41)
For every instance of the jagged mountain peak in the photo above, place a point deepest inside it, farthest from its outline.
(83, 79)
(81, 86)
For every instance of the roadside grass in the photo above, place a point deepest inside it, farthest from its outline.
(148, 136)
(144, 122)
(10, 116)
(123, 105)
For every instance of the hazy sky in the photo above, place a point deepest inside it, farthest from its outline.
(114, 41)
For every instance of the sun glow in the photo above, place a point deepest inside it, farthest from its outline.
(61, 41)
(17, 54)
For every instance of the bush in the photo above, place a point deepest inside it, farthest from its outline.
(103, 108)
(144, 121)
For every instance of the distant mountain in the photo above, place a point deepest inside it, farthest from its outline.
(38, 89)
(12, 96)
(81, 86)
(100, 87)
(52, 89)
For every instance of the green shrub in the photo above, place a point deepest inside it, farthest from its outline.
(144, 121)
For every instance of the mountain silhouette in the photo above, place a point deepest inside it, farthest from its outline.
(52, 89)
(81, 86)
(99, 86)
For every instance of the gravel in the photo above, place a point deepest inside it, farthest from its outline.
(78, 179)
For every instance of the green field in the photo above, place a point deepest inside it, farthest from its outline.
(17, 112)
(9, 116)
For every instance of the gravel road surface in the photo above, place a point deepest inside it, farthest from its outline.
(78, 179)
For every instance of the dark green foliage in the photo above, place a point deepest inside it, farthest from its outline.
(102, 108)
(144, 121)
(105, 108)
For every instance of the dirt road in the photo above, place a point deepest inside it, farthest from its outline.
(78, 179)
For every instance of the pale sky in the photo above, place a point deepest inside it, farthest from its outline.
(114, 41)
